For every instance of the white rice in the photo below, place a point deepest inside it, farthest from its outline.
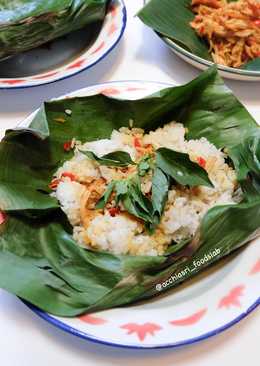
(124, 234)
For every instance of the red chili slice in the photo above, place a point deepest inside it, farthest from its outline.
(148, 146)
(69, 175)
(137, 143)
(67, 146)
(114, 211)
(201, 162)
(2, 217)
(54, 184)
(257, 22)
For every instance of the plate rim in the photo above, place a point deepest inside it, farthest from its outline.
(60, 78)
(231, 70)
(86, 336)
(188, 342)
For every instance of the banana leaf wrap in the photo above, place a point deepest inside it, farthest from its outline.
(40, 261)
(171, 19)
(26, 24)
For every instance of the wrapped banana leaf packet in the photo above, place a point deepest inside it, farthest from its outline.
(39, 259)
(26, 24)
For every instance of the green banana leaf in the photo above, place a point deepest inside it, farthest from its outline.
(171, 18)
(26, 24)
(40, 261)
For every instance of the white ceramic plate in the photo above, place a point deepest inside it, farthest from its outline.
(67, 55)
(196, 310)
(202, 64)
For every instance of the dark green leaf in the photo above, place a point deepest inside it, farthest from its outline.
(135, 209)
(172, 18)
(144, 165)
(22, 169)
(246, 159)
(121, 189)
(178, 166)
(117, 158)
(160, 187)
(129, 193)
(50, 271)
(137, 195)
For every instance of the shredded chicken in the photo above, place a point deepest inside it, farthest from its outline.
(90, 197)
(232, 29)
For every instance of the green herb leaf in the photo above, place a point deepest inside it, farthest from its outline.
(160, 188)
(144, 165)
(105, 198)
(135, 209)
(117, 158)
(128, 192)
(246, 159)
(178, 166)
(121, 189)
(136, 194)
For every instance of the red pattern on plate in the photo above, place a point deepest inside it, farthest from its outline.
(102, 44)
(112, 29)
(190, 320)
(113, 10)
(141, 329)
(2, 217)
(93, 320)
(110, 91)
(134, 88)
(256, 268)
(76, 64)
(232, 299)
(12, 81)
(46, 75)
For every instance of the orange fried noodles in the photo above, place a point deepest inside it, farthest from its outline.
(231, 29)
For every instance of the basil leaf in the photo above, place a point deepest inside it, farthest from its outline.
(121, 188)
(137, 196)
(117, 158)
(178, 166)
(129, 192)
(144, 165)
(104, 199)
(133, 207)
(160, 188)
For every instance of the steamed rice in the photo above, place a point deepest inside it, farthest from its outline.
(122, 233)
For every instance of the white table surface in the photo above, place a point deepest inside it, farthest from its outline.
(26, 340)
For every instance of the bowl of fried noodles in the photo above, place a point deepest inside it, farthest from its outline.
(203, 32)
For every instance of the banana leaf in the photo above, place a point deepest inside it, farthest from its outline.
(40, 261)
(171, 19)
(26, 24)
